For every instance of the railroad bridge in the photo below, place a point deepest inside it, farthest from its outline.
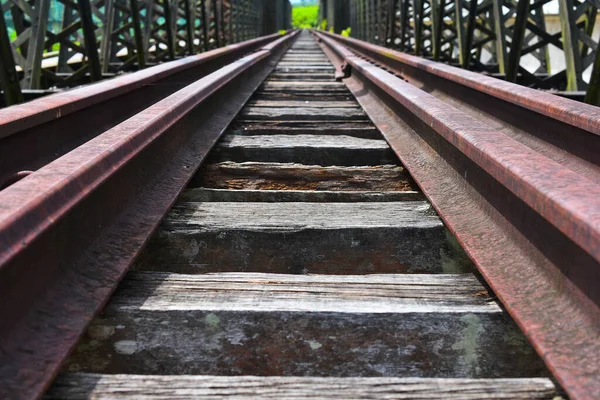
(198, 200)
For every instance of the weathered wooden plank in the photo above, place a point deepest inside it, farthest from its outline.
(295, 61)
(80, 386)
(305, 149)
(305, 90)
(315, 76)
(291, 217)
(305, 69)
(305, 85)
(306, 112)
(273, 196)
(332, 238)
(306, 103)
(315, 141)
(361, 129)
(280, 176)
(198, 342)
(304, 95)
(260, 292)
(305, 53)
(304, 63)
(307, 57)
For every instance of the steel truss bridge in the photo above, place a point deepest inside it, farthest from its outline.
(101, 38)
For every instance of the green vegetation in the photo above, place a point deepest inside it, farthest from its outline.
(282, 32)
(324, 25)
(305, 16)
(346, 32)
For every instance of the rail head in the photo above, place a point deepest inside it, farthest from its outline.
(70, 230)
(532, 225)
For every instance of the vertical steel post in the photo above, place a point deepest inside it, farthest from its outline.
(107, 29)
(390, 24)
(404, 21)
(570, 40)
(500, 30)
(216, 22)
(418, 20)
(516, 45)
(147, 32)
(205, 23)
(33, 66)
(169, 29)
(89, 38)
(465, 51)
(593, 92)
(64, 52)
(189, 26)
(437, 21)
(9, 78)
(137, 33)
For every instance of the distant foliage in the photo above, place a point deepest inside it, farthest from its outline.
(305, 16)
(346, 32)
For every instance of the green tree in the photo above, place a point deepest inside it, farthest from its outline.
(305, 16)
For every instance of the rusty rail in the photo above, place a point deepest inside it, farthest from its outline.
(35, 133)
(514, 174)
(70, 230)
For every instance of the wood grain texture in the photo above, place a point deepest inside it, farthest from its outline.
(302, 141)
(296, 103)
(189, 218)
(361, 129)
(291, 176)
(80, 386)
(297, 68)
(327, 88)
(289, 237)
(286, 76)
(260, 292)
(199, 342)
(301, 84)
(306, 112)
(305, 149)
(321, 95)
(273, 196)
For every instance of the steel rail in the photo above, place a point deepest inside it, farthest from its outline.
(69, 231)
(561, 129)
(530, 224)
(35, 133)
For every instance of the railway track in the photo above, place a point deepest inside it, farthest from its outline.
(303, 258)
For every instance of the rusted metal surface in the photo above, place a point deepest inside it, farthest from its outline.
(558, 128)
(35, 133)
(69, 231)
(530, 222)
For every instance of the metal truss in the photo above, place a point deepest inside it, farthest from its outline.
(99, 38)
(491, 36)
